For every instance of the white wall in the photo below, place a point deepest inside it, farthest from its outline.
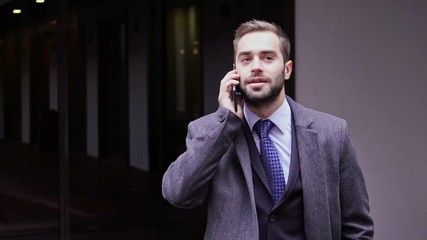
(53, 77)
(366, 61)
(138, 93)
(92, 90)
(25, 89)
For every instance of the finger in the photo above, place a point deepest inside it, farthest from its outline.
(230, 79)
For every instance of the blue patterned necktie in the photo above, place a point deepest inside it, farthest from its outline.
(270, 159)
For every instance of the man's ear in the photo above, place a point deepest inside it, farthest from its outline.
(288, 69)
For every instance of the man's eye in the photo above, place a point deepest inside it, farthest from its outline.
(245, 59)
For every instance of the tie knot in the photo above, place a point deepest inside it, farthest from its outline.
(263, 127)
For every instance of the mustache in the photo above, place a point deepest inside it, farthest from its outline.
(257, 75)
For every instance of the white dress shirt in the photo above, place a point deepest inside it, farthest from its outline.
(280, 134)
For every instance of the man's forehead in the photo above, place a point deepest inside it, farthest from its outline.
(260, 41)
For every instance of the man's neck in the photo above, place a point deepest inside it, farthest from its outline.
(265, 111)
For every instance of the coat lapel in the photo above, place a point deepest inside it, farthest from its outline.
(316, 208)
(254, 156)
(242, 152)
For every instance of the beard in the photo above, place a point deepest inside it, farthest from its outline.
(257, 98)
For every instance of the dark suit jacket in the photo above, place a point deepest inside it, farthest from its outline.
(216, 168)
(284, 219)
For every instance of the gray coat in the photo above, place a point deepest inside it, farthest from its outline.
(216, 168)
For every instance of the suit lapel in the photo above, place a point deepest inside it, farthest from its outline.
(254, 156)
(242, 152)
(316, 208)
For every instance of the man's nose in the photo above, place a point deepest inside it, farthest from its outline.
(256, 65)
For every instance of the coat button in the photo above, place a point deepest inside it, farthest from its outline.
(272, 218)
(221, 117)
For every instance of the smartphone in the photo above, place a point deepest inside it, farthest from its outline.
(235, 93)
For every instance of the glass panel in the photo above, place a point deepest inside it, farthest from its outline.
(28, 159)
(113, 96)
(184, 98)
(110, 199)
(184, 103)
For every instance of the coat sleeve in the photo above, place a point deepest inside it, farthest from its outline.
(186, 182)
(356, 220)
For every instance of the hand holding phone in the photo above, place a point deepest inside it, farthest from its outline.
(228, 96)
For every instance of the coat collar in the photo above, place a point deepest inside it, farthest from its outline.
(301, 116)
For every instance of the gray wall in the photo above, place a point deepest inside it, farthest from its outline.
(366, 61)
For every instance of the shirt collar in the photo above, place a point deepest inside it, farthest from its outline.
(281, 117)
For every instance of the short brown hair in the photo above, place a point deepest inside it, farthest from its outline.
(260, 25)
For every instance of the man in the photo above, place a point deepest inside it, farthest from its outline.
(270, 168)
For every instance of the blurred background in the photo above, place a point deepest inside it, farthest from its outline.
(95, 97)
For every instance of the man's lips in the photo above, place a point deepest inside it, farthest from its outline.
(256, 80)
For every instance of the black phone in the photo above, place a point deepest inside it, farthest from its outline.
(235, 93)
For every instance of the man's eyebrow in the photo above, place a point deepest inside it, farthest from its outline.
(246, 53)
(268, 52)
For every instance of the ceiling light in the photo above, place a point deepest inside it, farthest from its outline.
(16, 11)
(39, 1)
